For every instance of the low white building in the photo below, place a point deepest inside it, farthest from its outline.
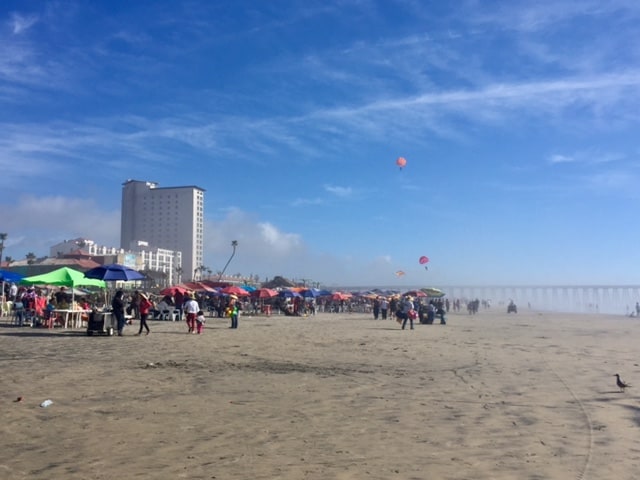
(162, 260)
(139, 256)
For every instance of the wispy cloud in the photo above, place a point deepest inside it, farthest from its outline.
(280, 242)
(402, 98)
(529, 17)
(339, 191)
(316, 132)
(385, 259)
(564, 91)
(301, 202)
(557, 158)
(21, 23)
(587, 157)
(618, 181)
(333, 190)
(256, 238)
(46, 220)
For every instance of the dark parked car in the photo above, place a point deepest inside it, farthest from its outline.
(511, 308)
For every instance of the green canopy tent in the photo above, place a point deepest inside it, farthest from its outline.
(64, 277)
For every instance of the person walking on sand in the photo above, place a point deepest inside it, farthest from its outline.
(408, 312)
(145, 305)
(200, 321)
(384, 307)
(117, 305)
(191, 309)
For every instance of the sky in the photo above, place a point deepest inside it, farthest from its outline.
(519, 122)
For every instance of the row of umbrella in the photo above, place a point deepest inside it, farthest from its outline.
(259, 293)
(266, 293)
(243, 291)
(229, 290)
(97, 277)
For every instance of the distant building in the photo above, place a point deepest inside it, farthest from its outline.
(169, 218)
(168, 262)
(140, 257)
(39, 266)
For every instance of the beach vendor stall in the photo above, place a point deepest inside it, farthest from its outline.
(101, 323)
(71, 315)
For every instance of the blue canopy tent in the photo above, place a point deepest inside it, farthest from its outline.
(288, 294)
(7, 276)
(311, 293)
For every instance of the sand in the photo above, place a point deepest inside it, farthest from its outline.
(335, 396)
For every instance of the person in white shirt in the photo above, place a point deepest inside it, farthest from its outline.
(191, 308)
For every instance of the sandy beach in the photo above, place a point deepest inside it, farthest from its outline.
(335, 396)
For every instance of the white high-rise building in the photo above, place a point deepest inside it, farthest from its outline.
(169, 217)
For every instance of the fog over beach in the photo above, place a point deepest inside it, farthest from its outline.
(609, 299)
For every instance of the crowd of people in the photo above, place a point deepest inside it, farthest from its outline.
(36, 305)
(188, 306)
(195, 307)
(407, 309)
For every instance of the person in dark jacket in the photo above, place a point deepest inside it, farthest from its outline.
(117, 305)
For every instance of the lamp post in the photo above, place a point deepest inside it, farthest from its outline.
(234, 244)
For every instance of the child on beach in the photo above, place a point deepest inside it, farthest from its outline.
(200, 320)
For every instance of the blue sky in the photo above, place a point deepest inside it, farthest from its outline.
(519, 122)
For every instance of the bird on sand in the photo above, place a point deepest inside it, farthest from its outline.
(621, 385)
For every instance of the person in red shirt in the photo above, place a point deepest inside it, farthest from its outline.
(145, 306)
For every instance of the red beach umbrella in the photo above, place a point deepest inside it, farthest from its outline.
(264, 293)
(171, 291)
(340, 296)
(233, 290)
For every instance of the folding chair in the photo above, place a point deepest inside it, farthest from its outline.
(170, 315)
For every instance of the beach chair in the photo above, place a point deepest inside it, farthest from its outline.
(170, 315)
(7, 306)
